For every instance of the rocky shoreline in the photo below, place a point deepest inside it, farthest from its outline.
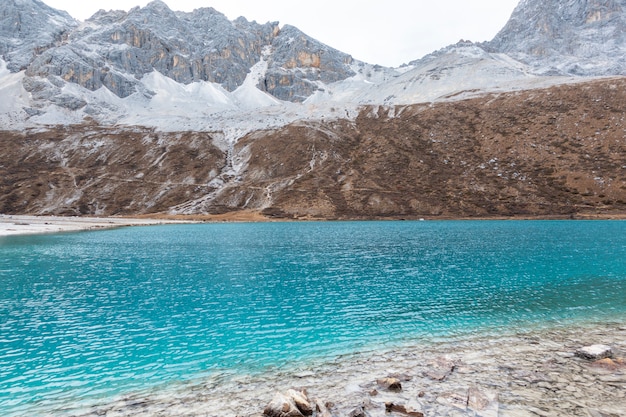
(530, 373)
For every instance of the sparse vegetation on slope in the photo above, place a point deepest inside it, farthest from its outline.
(553, 152)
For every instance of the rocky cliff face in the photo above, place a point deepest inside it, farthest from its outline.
(300, 65)
(28, 27)
(579, 37)
(116, 49)
(129, 67)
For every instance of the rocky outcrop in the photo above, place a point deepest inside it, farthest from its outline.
(578, 37)
(28, 27)
(116, 49)
(300, 65)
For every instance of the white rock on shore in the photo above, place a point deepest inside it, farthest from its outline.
(595, 352)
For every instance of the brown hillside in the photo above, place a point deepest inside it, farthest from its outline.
(553, 152)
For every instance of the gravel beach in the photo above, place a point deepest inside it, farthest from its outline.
(28, 225)
(514, 374)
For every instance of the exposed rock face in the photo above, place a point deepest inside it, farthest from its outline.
(28, 27)
(579, 37)
(300, 62)
(116, 49)
(154, 56)
(202, 45)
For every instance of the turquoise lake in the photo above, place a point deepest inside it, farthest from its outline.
(87, 316)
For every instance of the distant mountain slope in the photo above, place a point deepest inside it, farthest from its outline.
(579, 37)
(557, 151)
(452, 72)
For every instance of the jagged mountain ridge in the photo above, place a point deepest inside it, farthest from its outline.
(28, 27)
(578, 37)
(116, 49)
(124, 67)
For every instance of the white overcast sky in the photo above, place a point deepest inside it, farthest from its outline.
(387, 32)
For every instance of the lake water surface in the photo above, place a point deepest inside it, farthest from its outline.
(87, 316)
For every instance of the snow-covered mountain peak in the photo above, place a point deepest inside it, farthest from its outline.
(198, 70)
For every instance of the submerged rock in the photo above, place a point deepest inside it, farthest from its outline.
(595, 352)
(358, 412)
(484, 403)
(440, 369)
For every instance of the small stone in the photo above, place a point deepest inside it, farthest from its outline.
(390, 384)
(610, 364)
(454, 399)
(476, 399)
(301, 401)
(402, 377)
(282, 406)
(437, 375)
(402, 409)
(483, 402)
(595, 352)
(441, 368)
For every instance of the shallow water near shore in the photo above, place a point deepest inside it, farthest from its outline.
(88, 318)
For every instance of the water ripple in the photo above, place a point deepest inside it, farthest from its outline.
(91, 315)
